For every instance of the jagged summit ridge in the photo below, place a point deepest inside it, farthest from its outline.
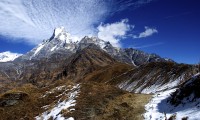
(61, 34)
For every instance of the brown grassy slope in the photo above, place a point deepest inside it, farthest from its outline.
(24, 108)
(84, 62)
(76, 67)
(31, 106)
(95, 101)
(104, 102)
(104, 74)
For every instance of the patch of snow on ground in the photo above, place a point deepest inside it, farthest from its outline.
(158, 108)
(62, 105)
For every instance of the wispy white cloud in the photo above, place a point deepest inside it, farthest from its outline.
(114, 32)
(124, 4)
(34, 20)
(148, 45)
(148, 32)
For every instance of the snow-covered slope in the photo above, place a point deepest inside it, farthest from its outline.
(182, 102)
(8, 56)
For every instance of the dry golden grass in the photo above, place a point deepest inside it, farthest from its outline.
(96, 101)
(126, 107)
(105, 74)
(104, 102)
(26, 108)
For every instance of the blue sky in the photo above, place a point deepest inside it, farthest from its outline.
(175, 24)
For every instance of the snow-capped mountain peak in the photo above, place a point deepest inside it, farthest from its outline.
(61, 34)
(8, 56)
(62, 43)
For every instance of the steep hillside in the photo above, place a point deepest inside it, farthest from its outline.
(85, 61)
(153, 77)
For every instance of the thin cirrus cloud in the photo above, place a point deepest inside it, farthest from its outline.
(114, 32)
(35, 20)
(148, 45)
(134, 4)
(148, 32)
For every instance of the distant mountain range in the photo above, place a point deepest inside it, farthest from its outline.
(61, 42)
(92, 79)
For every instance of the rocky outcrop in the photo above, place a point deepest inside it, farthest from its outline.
(12, 98)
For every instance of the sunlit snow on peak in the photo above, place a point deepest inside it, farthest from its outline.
(59, 30)
(61, 34)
